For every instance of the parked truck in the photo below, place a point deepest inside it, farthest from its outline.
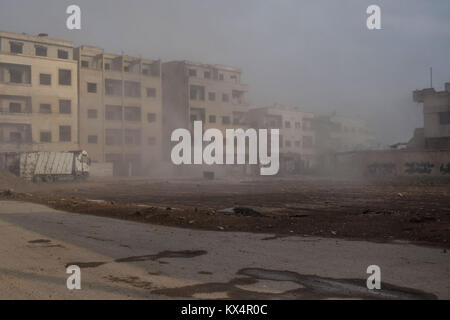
(52, 166)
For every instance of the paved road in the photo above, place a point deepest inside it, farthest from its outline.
(121, 259)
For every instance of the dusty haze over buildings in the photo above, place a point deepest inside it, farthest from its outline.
(317, 55)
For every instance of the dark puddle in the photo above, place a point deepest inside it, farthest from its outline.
(341, 288)
(164, 254)
(205, 272)
(310, 287)
(85, 265)
(40, 241)
(152, 257)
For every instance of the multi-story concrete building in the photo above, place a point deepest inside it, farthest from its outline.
(213, 94)
(120, 110)
(436, 113)
(342, 134)
(38, 94)
(297, 137)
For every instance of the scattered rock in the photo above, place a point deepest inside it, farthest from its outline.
(241, 211)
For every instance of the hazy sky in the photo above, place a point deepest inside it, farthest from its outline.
(314, 54)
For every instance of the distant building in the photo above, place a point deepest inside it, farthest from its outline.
(435, 135)
(38, 94)
(120, 110)
(297, 137)
(213, 94)
(193, 91)
(342, 134)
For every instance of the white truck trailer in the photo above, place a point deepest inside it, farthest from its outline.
(52, 166)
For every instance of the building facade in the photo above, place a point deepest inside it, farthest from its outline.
(297, 137)
(38, 94)
(120, 110)
(342, 134)
(436, 113)
(213, 94)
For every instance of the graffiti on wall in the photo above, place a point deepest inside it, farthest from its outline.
(410, 168)
(418, 167)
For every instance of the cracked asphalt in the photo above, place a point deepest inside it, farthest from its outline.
(130, 260)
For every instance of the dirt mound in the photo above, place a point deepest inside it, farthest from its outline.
(9, 180)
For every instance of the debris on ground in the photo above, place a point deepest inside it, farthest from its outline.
(241, 211)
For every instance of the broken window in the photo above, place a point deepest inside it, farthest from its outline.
(197, 92)
(15, 76)
(15, 73)
(237, 96)
(16, 47)
(207, 74)
(151, 117)
(63, 54)
(15, 137)
(192, 72)
(84, 64)
(41, 51)
(107, 66)
(65, 77)
(212, 96)
(133, 137)
(92, 87)
(93, 139)
(151, 92)
(212, 119)
(444, 118)
(46, 136)
(133, 113)
(113, 87)
(113, 137)
(225, 97)
(221, 76)
(226, 120)
(45, 108)
(287, 124)
(15, 107)
(113, 112)
(65, 133)
(45, 79)
(65, 106)
(92, 113)
(132, 89)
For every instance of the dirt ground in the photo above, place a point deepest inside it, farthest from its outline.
(416, 210)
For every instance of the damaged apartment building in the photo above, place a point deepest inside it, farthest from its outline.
(435, 135)
(213, 94)
(297, 136)
(38, 94)
(120, 110)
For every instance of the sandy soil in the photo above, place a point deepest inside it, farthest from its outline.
(383, 210)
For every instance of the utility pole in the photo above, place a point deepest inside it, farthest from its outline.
(431, 77)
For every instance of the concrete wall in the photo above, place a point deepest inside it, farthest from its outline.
(391, 163)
